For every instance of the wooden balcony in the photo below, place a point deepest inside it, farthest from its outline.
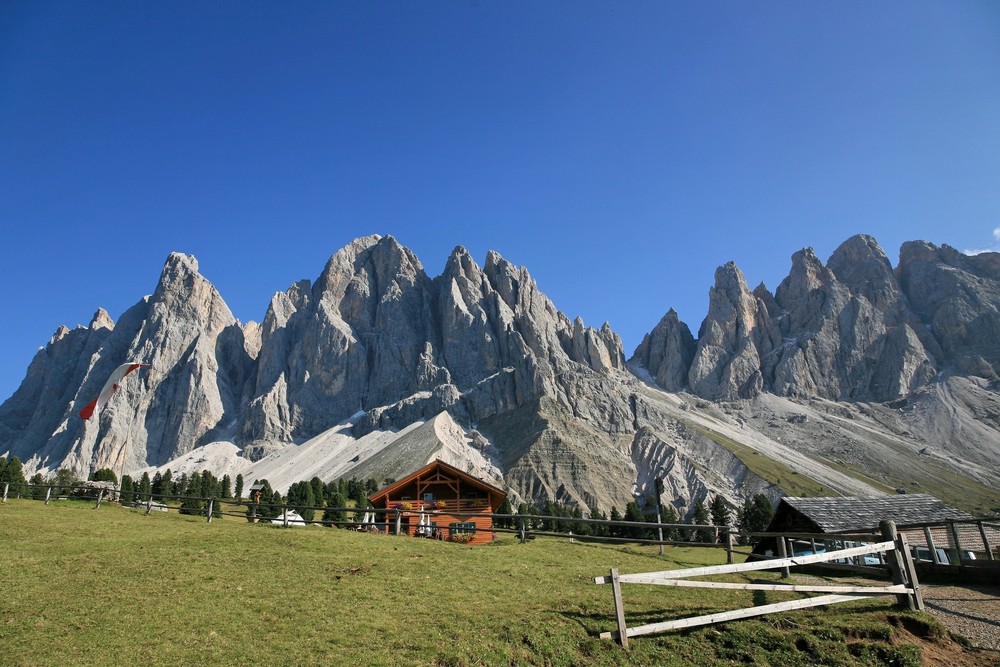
(440, 506)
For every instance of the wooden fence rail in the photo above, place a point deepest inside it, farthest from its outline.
(897, 556)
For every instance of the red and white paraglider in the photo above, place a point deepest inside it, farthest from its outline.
(109, 389)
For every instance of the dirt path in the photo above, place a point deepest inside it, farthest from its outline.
(970, 611)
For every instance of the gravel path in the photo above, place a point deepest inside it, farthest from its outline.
(970, 611)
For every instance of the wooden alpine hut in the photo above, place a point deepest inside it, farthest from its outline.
(442, 502)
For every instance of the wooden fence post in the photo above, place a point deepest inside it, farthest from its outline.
(149, 504)
(730, 545)
(930, 545)
(6, 487)
(783, 553)
(659, 522)
(616, 591)
(284, 517)
(100, 497)
(896, 567)
(916, 597)
(210, 502)
(523, 533)
(957, 540)
(48, 495)
(399, 522)
(982, 531)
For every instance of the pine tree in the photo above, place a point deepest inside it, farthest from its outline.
(65, 479)
(302, 500)
(633, 513)
(127, 491)
(238, 491)
(333, 512)
(702, 518)
(39, 489)
(721, 512)
(319, 491)
(754, 516)
(145, 487)
(15, 476)
(166, 485)
(668, 514)
(192, 503)
(505, 508)
(615, 531)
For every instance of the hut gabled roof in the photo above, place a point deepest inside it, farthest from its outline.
(846, 514)
(439, 465)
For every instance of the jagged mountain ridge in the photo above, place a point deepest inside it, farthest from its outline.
(379, 344)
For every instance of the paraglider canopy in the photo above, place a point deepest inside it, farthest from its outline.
(109, 389)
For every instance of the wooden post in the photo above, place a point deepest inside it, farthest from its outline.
(616, 591)
(6, 487)
(982, 531)
(571, 541)
(100, 497)
(284, 517)
(896, 566)
(958, 542)
(523, 533)
(916, 596)
(48, 494)
(659, 523)
(210, 502)
(929, 538)
(149, 504)
(399, 522)
(783, 553)
(730, 545)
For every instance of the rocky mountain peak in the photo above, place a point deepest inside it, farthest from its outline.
(666, 352)
(101, 320)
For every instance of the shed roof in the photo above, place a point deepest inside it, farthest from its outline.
(844, 514)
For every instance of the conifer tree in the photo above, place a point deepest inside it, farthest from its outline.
(702, 518)
(668, 514)
(127, 491)
(721, 512)
(754, 516)
(615, 531)
(505, 508)
(632, 513)
(319, 491)
(145, 487)
(238, 491)
(333, 512)
(38, 489)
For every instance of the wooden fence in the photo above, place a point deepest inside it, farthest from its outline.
(894, 547)
(524, 526)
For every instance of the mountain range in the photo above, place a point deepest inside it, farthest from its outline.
(853, 377)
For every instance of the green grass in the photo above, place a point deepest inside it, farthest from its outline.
(790, 481)
(80, 586)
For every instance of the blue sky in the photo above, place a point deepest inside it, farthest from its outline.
(619, 150)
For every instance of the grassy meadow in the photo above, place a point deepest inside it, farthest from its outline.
(111, 586)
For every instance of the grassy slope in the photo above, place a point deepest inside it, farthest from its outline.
(112, 586)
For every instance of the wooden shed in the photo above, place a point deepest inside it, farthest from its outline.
(858, 515)
(442, 502)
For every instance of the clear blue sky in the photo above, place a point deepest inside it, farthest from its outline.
(620, 150)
